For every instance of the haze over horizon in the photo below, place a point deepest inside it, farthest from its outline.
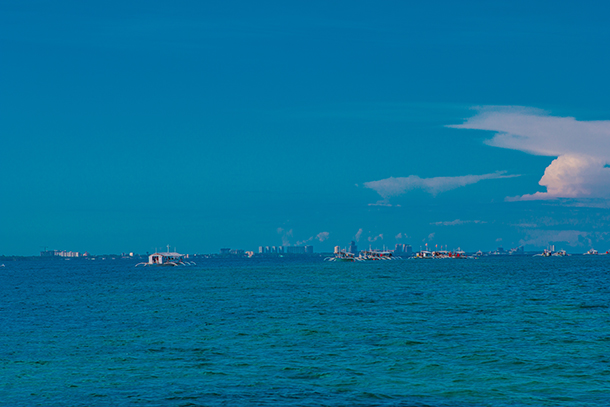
(130, 126)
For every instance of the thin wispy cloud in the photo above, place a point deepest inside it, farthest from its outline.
(383, 202)
(582, 149)
(286, 235)
(375, 238)
(390, 187)
(322, 236)
(456, 222)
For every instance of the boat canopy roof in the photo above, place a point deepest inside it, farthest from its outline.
(167, 254)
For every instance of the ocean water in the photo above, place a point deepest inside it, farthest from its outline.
(501, 331)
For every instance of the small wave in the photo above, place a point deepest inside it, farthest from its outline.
(593, 306)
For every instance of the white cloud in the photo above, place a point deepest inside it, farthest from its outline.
(285, 235)
(456, 222)
(401, 236)
(375, 238)
(304, 242)
(322, 236)
(572, 176)
(358, 234)
(525, 225)
(390, 187)
(582, 148)
(383, 202)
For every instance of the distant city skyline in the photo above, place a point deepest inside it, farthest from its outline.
(127, 126)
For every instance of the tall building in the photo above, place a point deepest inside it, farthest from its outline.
(309, 249)
(353, 249)
(399, 248)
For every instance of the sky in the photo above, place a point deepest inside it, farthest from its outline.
(128, 126)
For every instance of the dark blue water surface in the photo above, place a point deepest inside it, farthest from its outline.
(501, 331)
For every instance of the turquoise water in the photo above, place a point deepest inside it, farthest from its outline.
(518, 331)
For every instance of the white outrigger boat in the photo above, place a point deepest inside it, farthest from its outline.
(342, 256)
(365, 255)
(592, 252)
(443, 254)
(375, 255)
(168, 259)
(550, 253)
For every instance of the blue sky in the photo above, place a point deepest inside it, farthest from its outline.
(127, 126)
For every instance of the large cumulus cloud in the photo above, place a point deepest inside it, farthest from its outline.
(582, 148)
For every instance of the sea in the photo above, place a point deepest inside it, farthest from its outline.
(300, 331)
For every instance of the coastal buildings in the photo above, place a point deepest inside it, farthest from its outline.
(403, 249)
(299, 249)
(270, 249)
(285, 249)
(60, 253)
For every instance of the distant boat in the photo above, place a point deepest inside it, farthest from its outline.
(375, 255)
(344, 256)
(365, 255)
(545, 253)
(443, 254)
(592, 251)
(424, 254)
(551, 253)
(170, 259)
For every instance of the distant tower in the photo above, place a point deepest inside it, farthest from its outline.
(337, 249)
(353, 248)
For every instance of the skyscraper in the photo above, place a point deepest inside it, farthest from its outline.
(353, 248)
